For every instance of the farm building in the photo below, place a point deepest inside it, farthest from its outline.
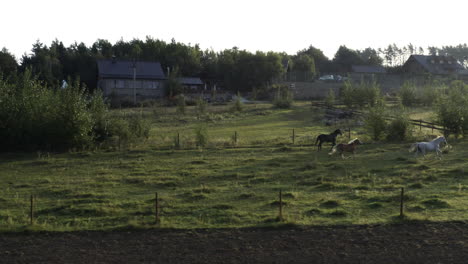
(131, 78)
(366, 72)
(191, 83)
(436, 65)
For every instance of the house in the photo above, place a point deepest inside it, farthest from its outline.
(131, 78)
(367, 72)
(368, 69)
(436, 65)
(191, 84)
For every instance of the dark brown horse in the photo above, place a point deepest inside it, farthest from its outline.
(343, 147)
(327, 138)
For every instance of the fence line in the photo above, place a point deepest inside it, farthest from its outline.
(417, 122)
(278, 210)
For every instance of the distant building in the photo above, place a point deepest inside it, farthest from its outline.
(436, 65)
(191, 84)
(366, 72)
(116, 77)
(367, 69)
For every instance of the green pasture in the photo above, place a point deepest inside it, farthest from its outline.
(233, 184)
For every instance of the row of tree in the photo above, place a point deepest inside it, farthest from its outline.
(234, 69)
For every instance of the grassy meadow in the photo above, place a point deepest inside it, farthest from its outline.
(231, 183)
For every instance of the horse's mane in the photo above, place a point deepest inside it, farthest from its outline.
(438, 137)
(352, 141)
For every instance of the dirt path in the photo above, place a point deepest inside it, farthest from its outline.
(403, 243)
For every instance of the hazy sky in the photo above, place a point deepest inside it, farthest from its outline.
(286, 25)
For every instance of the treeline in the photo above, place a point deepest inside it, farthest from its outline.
(234, 69)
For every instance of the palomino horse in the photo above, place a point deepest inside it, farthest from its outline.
(423, 147)
(327, 138)
(350, 147)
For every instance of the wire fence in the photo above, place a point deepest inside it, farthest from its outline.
(198, 209)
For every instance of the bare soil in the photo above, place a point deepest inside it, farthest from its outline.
(397, 243)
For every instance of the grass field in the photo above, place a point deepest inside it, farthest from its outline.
(233, 184)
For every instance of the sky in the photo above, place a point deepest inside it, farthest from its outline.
(274, 25)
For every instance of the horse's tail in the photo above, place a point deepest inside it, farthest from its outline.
(333, 151)
(413, 148)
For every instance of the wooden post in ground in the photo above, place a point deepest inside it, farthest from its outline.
(349, 133)
(156, 207)
(401, 201)
(280, 206)
(178, 140)
(235, 137)
(31, 211)
(293, 136)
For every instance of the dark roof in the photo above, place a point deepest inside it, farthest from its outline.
(368, 69)
(437, 64)
(190, 80)
(124, 69)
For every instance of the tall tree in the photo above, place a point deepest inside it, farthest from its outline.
(345, 58)
(8, 64)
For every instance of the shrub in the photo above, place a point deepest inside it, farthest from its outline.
(200, 106)
(33, 116)
(346, 94)
(181, 104)
(119, 127)
(330, 99)
(283, 97)
(451, 111)
(430, 94)
(399, 128)
(201, 136)
(370, 92)
(408, 94)
(238, 105)
(139, 126)
(375, 122)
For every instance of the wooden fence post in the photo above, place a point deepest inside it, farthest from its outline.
(178, 140)
(235, 137)
(31, 211)
(280, 206)
(401, 201)
(156, 207)
(293, 136)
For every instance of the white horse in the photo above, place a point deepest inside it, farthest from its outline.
(423, 147)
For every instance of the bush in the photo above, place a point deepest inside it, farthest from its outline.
(365, 94)
(430, 94)
(200, 106)
(238, 105)
(375, 122)
(399, 128)
(33, 116)
(408, 94)
(181, 104)
(201, 136)
(451, 111)
(330, 99)
(346, 94)
(129, 128)
(283, 97)
(139, 126)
